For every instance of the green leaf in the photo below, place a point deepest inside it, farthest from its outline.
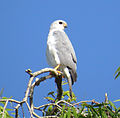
(117, 100)
(117, 75)
(1, 108)
(65, 116)
(64, 82)
(4, 98)
(69, 113)
(13, 113)
(1, 92)
(110, 111)
(81, 110)
(73, 97)
(89, 113)
(50, 109)
(117, 72)
(49, 98)
(100, 105)
(66, 93)
(93, 110)
(104, 115)
(2, 103)
(63, 111)
(74, 112)
(111, 104)
(9, 109)
(51, 93)
(102, 112)
(117, 112)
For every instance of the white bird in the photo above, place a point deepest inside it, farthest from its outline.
(60, 52)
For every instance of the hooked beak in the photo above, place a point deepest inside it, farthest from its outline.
(65, 25)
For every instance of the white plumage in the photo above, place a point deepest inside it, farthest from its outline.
(60, 52)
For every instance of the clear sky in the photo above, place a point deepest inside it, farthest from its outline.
(93, 28)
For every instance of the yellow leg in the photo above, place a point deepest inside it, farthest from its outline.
(57, 67)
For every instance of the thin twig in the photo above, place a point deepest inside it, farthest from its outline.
(10, 100)
(16, 110)
(92, 101)
(22, 111)
(4, 109)
(63, 101)
(28, 88)
(44, 105)
(36, 83)
(33, 75)
(29, 109)
(36, 115)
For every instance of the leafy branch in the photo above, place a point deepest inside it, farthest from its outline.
(60, 104)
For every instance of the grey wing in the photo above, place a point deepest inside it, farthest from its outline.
(66, 52)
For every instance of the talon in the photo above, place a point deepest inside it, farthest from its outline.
(57, 67)
(59, 72)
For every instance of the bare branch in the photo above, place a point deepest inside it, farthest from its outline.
(45, 105)
(36, 115)
(10, 100)
(29, 109)
(16, 110)
(91, 101)
(22, 111)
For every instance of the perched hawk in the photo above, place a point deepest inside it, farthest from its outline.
(60, 52)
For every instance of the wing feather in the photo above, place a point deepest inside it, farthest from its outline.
(65, 52)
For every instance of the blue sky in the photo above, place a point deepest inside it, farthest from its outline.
(93, 28)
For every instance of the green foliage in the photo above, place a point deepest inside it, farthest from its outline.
(117, 100)
(85, 109)
(1, 92)
(6, 114)
(69, 108)
(2, 104)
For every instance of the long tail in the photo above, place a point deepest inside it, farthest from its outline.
(73, 75)
(68, 76)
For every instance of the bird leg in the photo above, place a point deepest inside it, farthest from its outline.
(57, 68)
(59, 72)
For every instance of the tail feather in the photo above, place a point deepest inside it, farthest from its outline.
(70, 86)
(71, 77)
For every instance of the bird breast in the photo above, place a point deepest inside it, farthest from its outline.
(52, 56)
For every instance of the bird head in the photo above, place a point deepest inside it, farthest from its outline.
(58, 24)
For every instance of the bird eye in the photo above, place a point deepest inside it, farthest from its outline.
(60, 22)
